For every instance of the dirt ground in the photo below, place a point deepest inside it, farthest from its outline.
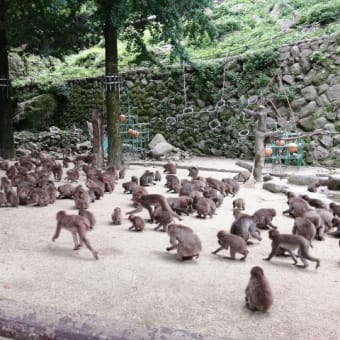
(136, 280)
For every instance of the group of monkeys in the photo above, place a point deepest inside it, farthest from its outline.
(31, 175)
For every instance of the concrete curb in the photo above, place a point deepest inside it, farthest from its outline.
(26, 321)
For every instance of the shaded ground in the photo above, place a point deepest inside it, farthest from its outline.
(136, 281)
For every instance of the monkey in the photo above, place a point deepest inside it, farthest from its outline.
(172, 182)
(231, 186)
(158, 176)
(335, 208)
(89, 215)
(3, 200)
(336, 224)
(193, 171)
(236, 243)
(109, 181)
(170, 168)
(137, 192)
(312, 187)
(297, 205)
(316, 219)
(242, 176)
(112, 171)
(39, 197)
(66, 161)
(186, 242)
(134, 179)
(66, 152)
(239, 203)
(96, 193)
(315, 202)
(5, 184)
(81, 199)
(57, 171)
(214, 195)
(289, 243)
(23, 192)
(205, 206)
(216, 184)
(117, 216)
(237, 213)
(326, 221)
(78, 226)
(304, 227)
(4, 165)
(186, 189)
(122, 173)
(90, 171)
(11, 197)
(72, 175)
(259, 296)
(65, 191)
(128, 186)
(52, 192)
(92, 195)
(147, 179)
(138, 223)
(11, 172)
(148, 200)
(163, 218)
(94, 184)
(182, 204)
(263, 218)
(245, 227)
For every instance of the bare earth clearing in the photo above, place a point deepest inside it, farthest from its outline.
(136, 281)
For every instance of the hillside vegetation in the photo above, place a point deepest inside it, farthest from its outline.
(242, 26)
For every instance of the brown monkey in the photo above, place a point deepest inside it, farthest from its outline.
(89, 215)
(81, 197)
(312, 187)
(72, 175)
(193, 171)
(134, 179)
(172, 182)
(263, 218)
(128, 186)
(214, 195)
(52, 192)
(147, 179)
(245, 227)
(78, 226)
(205, 206)
(335, 208)
(237, 213)
(95, 183)
(4, 165)
(231, 186)
(239, 203)
(117, 216)
(289, 243)
(182, 204)
(304, 227)
(297, 205)
(39, 197)
(170, 168)
(158, 176)
(122, 173)
(65, 191)
(186, 242)
(148, 200)
(57, 171)
(242, 176)
(236, 243)
(138, 223)
(336, 224)
(259, 295)
(315, 202)
(3, 200)
(216, 184)
(163, 218)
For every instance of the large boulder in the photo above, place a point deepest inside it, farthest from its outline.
(36, 113)
(159, 146)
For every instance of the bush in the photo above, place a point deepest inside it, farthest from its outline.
(321, 13)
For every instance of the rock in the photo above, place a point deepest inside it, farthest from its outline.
(334, 182)
(322, 88)
(274, 187)
(309, 92)
(307, 109)
(158, 138)
(295, 51)
(322, 100)
(161, 149)
(307, 124)
(326, 141)
(320, 122)
(302, 179)
(320, 153)
(288, 79)
(36, 113)
(298, 103)
(333, 92)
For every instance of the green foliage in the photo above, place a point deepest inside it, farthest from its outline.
(260, 61)
(318, 57)
(287, 91)
(323, 13)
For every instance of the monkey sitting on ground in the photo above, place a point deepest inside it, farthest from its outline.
(138, 223)
(245, 227)
(116, 216)
(193, 171)
(128, 186)
(186, 242)
(236, 243)
(231, 186)
(297, 205)
(147, 179)
(148, 200)
(78, 226)
(259, 295)
(158, 176)
(239, 203)
(205, 206)
(121, 173)
(170, 168)
(289, 243)
(263, 218)
(65, 191)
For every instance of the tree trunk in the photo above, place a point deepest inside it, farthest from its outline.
(6, 121)
(115, 154)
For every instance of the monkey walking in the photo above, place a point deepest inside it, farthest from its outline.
(78, 226)
(289, 243)
(259, 295)
(148, 200)
(236, 243)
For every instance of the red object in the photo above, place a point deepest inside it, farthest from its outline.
(268, 151)
(280, 142)
(292, 147)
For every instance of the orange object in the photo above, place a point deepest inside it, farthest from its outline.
(136, 134)
(268, 151)
(122, 118)
(130, 132)
(292, 147)
(280, 142)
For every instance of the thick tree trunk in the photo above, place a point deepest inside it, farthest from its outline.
(6, 121)
(115, 154)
